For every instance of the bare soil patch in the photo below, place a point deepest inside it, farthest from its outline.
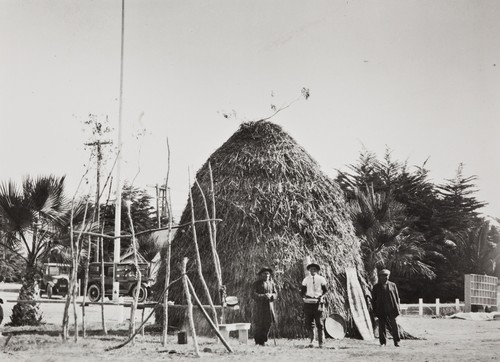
(441, 339)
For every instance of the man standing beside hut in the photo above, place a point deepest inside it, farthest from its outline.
(386, 306)
(264, 294)
(312, 291)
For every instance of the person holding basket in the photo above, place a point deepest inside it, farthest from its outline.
(264, 294)
(313, 289)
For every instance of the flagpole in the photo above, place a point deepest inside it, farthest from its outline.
(118, 182)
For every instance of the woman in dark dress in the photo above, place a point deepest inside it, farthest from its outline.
(264, 294)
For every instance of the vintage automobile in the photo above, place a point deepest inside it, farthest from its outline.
(125, 275)
(55, 279)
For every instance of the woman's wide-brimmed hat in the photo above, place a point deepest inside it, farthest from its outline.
(264, 269)
(313, 265)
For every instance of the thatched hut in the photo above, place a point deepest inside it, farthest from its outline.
(277, 207)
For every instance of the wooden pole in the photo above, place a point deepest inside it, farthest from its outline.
(126, 236)
(167, 205)
(158, 217)
(138, 273)
(207, 317)
(72, 279)
(85, 284)
(198, 258)
(213, 248)
(98, 191)
(222, 288)
(213, 218)
(190, 306)
(118, 202)
(167, 275)
(103, 291)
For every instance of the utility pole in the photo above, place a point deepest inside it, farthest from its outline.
(160, 203)
(99, 145)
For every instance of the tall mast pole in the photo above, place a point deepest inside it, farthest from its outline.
(118, 203)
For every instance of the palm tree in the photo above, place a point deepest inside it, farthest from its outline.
(11, 265)
(31, 215)
(386, 242)
(149, 247)
(476, 251)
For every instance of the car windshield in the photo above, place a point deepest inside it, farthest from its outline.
(57, 269)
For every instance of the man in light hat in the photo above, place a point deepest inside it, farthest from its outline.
(313, 289)
(264, 294)
(386, 306)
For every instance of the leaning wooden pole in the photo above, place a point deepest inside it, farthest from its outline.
(101, 245)
(85, 285)
(74, 268)
(138, 274)
(74, 271)
(213, 224)
(207, 317)
(189, 306)
(73, 298)
(212, 244)
(214, 213)
(64, 331)
(198, 258)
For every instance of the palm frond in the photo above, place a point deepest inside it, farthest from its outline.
(14, 208)
(149, 246)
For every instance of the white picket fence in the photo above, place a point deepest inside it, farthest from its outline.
(432, 308)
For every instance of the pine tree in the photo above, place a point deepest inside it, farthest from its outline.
(458, 207)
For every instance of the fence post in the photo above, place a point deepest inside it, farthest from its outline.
(437, 306)
(121, 308)
(457, 305)
(420, 306)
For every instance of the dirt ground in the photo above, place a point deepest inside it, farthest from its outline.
(441, 339)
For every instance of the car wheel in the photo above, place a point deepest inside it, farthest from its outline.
(49, 291)
(94, 293)
(143, 293)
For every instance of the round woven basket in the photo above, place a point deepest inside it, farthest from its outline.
(335, 326)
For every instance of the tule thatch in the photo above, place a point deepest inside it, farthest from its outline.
(277, 207)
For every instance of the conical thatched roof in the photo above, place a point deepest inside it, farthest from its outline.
(277, 207)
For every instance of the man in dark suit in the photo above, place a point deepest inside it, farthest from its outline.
(386, 306)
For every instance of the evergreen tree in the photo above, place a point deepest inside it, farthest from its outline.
(142, 212)
(458, 207)
(438, 214)
(363, 175)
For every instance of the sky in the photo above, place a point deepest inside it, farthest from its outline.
(418, 77)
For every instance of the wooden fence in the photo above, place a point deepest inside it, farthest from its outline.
(435, 309)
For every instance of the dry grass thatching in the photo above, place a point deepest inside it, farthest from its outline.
(277, 207)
